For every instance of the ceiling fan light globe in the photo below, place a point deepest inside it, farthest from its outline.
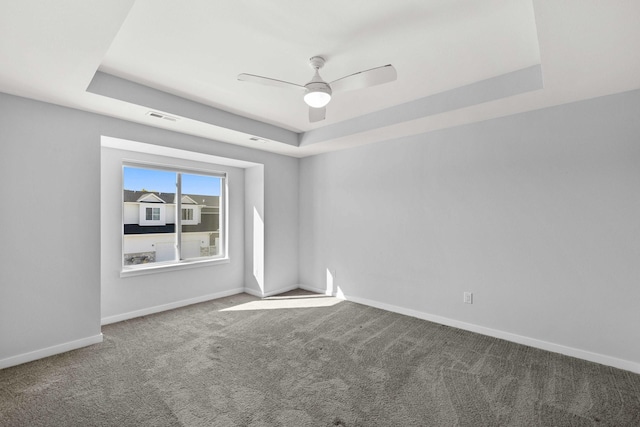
(318, 94)
(317, 99)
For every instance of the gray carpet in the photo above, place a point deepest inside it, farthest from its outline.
(240, 361)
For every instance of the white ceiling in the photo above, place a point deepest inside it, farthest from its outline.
(195, 49)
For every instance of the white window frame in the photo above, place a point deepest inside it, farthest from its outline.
(220, 258)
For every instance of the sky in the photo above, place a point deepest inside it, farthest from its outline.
(137, 179)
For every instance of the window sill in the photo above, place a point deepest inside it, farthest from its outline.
(183, 265)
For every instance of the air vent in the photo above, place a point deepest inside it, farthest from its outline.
(162, 116)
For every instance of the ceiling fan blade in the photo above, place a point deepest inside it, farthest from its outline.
(266, 81)
(317, 114)
(362, 79)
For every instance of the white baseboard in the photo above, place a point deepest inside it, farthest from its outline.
(316, 290)
(49, 351)
(281, 290)
(170, 306)
(270, 293)
(531, 342)
(253, 292)
(182, 303)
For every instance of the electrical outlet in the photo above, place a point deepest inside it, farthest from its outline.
(468, 298)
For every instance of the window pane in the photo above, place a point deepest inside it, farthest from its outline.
(149, 231)
(201, 201)
(187, 214)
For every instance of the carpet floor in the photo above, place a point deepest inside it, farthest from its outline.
(302, 359)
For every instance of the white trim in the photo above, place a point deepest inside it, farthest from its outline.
(179, 262)
(142, 214)
(271, 293)
(170, 167)
(253, 292)
(49, 351)
(280, 291)
(170, 306)
(316, 290)
(131, 271)
(160, 150)
(531, 342)
(195, 214)
(144, 198)
(189, 200)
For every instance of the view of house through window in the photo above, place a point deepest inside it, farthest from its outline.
(170, 216)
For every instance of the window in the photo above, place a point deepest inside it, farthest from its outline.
(187, 214)
(191, 215)
(153, 214)
(171, 216)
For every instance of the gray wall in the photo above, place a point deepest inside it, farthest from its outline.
(50, 225)
(537, 214)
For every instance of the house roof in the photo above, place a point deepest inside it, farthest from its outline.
(150, 198)
(130, 196)
(457, 63)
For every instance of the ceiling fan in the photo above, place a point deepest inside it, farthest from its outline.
(317, 93)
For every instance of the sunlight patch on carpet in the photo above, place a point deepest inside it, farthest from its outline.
(285, 303)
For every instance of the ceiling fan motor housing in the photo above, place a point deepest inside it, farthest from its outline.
(318, 87)
(316, 62)
(318, 92)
